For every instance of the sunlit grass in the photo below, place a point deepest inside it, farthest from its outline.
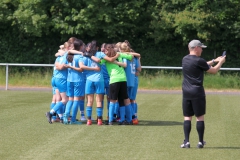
(160, 80)
(26, 134)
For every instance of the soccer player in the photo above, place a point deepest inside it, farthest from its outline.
(94, 83)
(130, 70)
(194, 98)
(118, 86)
(75, 84)
(60, 81)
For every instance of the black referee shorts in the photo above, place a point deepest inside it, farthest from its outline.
(195, 107)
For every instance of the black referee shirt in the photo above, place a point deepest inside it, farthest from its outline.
(193, 68)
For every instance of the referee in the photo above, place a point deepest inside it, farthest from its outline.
(194, 99)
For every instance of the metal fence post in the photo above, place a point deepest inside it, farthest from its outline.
(6, 77)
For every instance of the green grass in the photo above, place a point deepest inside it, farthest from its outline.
(161, 80)
(26, 134)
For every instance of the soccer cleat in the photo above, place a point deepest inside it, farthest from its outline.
(135, 121)
(55, 120)
(200, 144)
(99, 122)
(108, 123)
(83, 118)
(89, 122)
(121, 123)
(49, 117)
(185, 145)
(76, 122)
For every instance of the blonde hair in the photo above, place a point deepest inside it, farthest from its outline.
(125, 47)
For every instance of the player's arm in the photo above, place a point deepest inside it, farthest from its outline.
(139, 69)
(59, 66)
(82, 66)
(111, 59)
(134, 54)
(75, 68)
(216, 68)
(74, 52)
(59, 53)
(122, 64)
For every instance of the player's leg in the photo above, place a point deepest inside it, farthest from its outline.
(99, 86)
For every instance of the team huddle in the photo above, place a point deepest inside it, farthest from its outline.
(87, 73)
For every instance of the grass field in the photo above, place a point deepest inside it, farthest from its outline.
(26, 134)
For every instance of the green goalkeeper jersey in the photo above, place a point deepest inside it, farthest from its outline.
(116, 72)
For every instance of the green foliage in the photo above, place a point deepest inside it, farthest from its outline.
(160, 30)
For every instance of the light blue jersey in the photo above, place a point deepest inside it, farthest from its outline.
(94, 76)
(73, 75)
(135, 88)
(61, 73)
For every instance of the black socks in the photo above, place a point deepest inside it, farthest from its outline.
(200, 129)
(187, 129)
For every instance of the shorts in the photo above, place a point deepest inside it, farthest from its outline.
(118, 91)
(94, 87)
(195, 107)
(61, 84)
(75, 89)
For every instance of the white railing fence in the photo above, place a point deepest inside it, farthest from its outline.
(51, 65)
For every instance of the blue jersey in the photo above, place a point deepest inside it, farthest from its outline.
(104, 71)
(73, 75)
(94, 76)
(61, 73)
(130, 71)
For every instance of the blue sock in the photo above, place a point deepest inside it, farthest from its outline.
(51, 107)
(122, 113)
(81, 105)
(111, 111)
(89, 112)
(57, 107)
(68, 107)
(99, 112)
(128, 110)
(102, 104)
(116, 108)
(74, 111)
(136, 109)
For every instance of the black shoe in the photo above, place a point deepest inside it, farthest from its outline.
(128, 123)
(122, 123)
(185, 145)
(200, 144)
(49, 117)
(109, 123)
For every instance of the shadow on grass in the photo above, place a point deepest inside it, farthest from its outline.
(222, 147)
(158, 123)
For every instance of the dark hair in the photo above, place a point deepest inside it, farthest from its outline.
(77, 46)
(110, 48)
(92, 46)
(83, 49)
